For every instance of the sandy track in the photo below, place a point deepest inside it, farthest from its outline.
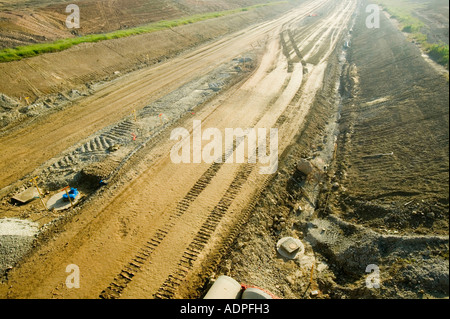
(48, 137)
(163, 224)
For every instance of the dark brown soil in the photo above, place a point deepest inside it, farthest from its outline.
(394, 104)
(382, 200)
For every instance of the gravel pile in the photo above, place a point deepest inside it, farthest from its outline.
(16, 238)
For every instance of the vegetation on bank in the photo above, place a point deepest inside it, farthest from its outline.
(401, 10)
(439, 53)
(20, 52)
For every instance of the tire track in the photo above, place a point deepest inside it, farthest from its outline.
(123, 95)
(168, 288)
(195, 93)
(121, 281)
(186, 262)
(96, 147)
(272, 109)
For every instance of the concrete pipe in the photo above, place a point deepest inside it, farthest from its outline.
(224, 288)
(255, 293)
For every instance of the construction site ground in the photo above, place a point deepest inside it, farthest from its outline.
(363, 105)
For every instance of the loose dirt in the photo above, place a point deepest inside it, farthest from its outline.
(215, 194)
(155, 229)
(389, 211)
(120, 97)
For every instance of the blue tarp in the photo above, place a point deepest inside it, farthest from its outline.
(72, 193)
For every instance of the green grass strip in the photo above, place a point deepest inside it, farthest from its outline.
(438, 52)
(18, 53)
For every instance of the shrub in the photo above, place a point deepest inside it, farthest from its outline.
(439, 53)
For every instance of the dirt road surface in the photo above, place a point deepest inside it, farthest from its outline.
(47, 137)
(144, 238)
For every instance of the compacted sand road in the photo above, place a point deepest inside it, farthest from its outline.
(143, 240)
(48, 137)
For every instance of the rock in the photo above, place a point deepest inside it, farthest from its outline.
(226, 269)
(314, 293)
(73, 93)
(114, 148)
(305, 167)
(7, 103)
(290, 280)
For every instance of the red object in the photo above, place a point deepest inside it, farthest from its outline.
(134, 136)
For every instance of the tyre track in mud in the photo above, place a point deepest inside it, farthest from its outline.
(294, 112)
(120, 98)
(169, 288)
(121, 281)
(115, 289)
(146, 125)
